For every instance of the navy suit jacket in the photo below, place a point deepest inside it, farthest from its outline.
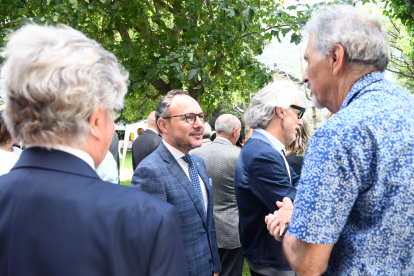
(59, 218)
(160, 175)
(261, 179)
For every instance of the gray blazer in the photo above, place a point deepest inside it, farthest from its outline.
(221, 158)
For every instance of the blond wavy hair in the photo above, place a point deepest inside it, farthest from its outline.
(299, 145)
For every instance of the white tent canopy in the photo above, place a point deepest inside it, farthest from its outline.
(131, 129)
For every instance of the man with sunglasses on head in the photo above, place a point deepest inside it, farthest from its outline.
(263, 175)
(180, 178)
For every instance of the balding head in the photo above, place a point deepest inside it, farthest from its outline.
(151, 121)
(228, 126)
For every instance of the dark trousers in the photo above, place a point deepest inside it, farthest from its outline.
(232, 261)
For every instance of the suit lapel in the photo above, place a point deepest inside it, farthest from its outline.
(182, 179)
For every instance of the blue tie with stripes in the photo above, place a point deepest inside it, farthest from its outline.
(194, 179)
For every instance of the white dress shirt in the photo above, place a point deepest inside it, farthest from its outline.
(77, 152)
(279, 146)
(178, 155)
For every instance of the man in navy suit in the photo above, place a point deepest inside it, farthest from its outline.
(263, 175)
(179, 178)
(58, 217)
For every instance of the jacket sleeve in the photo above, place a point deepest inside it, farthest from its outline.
(145, 179)
(295, 177)
(167, 256)
(270, 180)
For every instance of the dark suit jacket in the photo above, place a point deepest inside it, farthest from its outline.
(221, 158)
(161, 175)
(59, 218)
(143, 146)
(261, 179)
(295, 162)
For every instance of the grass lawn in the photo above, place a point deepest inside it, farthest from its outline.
(127, 172)
(126, 176)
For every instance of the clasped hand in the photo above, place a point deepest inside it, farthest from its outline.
(276, 220)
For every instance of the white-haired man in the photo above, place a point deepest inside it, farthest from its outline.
(221, 158)
(263, 175)
(353, 213)
(58, 217)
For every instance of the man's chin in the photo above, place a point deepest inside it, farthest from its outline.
(315, 102)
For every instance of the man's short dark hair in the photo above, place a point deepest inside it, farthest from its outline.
(164, 104)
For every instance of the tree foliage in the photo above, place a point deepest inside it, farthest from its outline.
(402, 11)
(401, 63)
(203, 46)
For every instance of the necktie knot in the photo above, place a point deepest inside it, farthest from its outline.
(187, 158)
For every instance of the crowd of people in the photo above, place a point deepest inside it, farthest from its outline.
(197, 206)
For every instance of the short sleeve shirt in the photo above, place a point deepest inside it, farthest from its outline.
(357, 184)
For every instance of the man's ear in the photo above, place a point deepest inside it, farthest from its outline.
(280, 112)
(162, 124)
(97, 123)
(338, 58)
(234, 132)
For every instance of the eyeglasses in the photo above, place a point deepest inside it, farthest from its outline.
(191, 117)
(301, 109)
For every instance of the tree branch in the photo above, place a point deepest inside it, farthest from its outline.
(153, 97)
(162, 4)
(217, 67)
(273, 27)
(123, 31)
(401, 73)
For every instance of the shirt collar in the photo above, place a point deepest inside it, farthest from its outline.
(363, 82)
(276, 143)
(175, 152)
(74, 151)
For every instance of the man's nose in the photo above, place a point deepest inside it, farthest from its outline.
(198, 122)
(305, 77)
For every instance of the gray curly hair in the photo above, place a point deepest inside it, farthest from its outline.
(360, 34)
(281, 93)
(54, 78)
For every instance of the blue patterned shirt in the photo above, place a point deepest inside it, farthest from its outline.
(357, 184)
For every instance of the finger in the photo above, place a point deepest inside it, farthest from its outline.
(279, 204)
(287, 201)
(273, 225)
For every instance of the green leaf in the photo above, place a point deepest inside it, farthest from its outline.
(74, 3)
(191, 73)
(231, 12)
(23, 11)
(248, 14)
(295, 38)
(115, 6)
